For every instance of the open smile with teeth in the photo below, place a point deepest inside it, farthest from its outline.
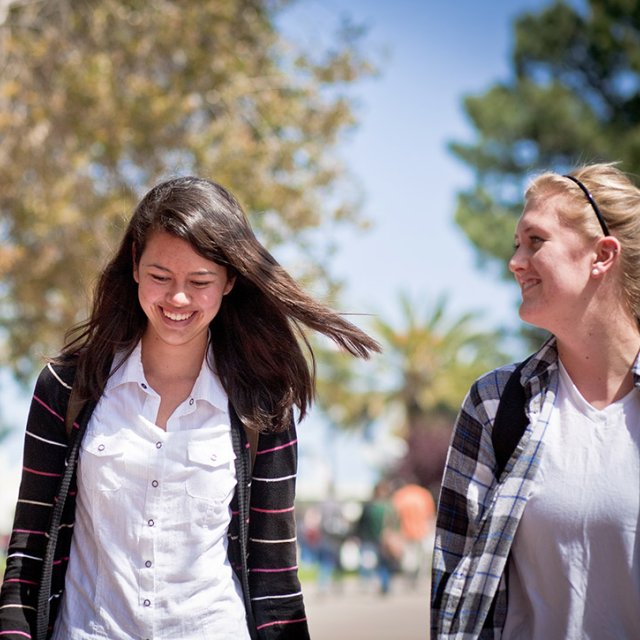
(177, 317)
(528, 284)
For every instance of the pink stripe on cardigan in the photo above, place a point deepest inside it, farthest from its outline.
(282, 446)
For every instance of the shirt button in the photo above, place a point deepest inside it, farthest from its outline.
(147, 603)
(154, 483)
(100, 447)
(143, 385)
(147, 563)
(150, 523)
(191, 402)
(158, 445)
(214, 457)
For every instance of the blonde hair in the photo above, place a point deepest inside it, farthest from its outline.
(618, 200)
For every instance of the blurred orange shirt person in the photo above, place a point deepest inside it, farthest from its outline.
(416, 511)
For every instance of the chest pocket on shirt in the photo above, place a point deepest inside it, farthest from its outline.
(212, 473)
(101, 463)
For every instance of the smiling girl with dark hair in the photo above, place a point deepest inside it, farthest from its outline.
(167, 510)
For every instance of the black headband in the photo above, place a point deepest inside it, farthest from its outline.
(592, 202)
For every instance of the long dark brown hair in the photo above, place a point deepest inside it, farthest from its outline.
(256, 337)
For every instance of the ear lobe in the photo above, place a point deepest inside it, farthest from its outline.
(230, 282)
(134, 262)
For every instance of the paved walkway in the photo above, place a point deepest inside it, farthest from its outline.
(356, 612)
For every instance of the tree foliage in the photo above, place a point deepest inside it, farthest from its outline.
(573, 97)
(100, 99)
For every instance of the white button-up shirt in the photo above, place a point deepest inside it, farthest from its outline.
(149, 551)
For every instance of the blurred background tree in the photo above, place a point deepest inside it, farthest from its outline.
(429, 361)
(574, 97)
(100, 100)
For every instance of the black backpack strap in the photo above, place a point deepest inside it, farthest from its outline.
(510, 421)
(73, 411)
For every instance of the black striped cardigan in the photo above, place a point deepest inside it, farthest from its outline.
(262, 535)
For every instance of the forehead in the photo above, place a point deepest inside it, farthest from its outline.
(170, 252)
(159, 241)
(540, 213)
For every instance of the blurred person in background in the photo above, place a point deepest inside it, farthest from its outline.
(549, 548)
(333, 529)
(168, 510)
(323, 530)
(416, 510)
(381, 544)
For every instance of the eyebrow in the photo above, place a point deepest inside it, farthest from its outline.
(202, 272)
(529, 228)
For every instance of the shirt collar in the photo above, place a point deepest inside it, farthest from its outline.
(541, 363)
(635, 369)
(207, 387)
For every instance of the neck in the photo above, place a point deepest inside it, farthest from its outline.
(599, 358)
(162, 361)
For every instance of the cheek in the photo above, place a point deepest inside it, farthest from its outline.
(146, 295)
(142, 298)
(212, 300)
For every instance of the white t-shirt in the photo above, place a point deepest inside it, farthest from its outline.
(149, 551)
(574, 570)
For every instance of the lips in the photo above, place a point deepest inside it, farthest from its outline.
(527, 284)
(177, 317)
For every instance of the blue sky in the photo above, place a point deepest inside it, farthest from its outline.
(437, 52)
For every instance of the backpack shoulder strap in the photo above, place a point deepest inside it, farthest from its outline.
(251, 435)
(510, 421)
(252, 439)
(74, 407)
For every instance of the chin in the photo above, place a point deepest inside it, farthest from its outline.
(528, 315)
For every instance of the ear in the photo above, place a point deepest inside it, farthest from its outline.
(230, 282)
(134, 261)
(607, 252)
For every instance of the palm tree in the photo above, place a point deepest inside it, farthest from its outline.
(429, 360)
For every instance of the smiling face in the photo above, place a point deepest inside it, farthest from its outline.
(552, 264)
(179, 291)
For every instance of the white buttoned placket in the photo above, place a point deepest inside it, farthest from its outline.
(150, 525)
(162, 451)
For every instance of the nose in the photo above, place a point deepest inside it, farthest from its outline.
(516, 263)
(178, 296)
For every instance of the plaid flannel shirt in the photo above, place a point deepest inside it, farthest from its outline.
(478, 514)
